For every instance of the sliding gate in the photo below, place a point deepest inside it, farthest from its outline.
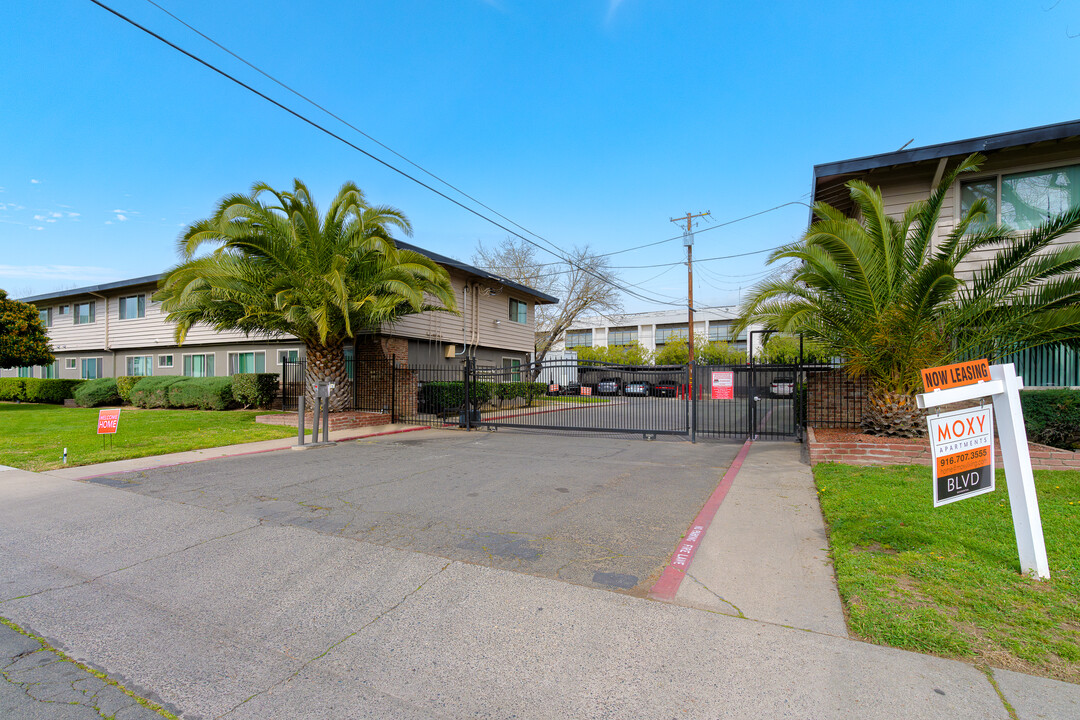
(708, 402)
(583, 397)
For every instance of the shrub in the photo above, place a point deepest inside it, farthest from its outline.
(50, 390)
(255, 389)
(439, 396)
(1052, 417)
(93, 393)
(151, 392)
(202, 393)
(529, 391)
(12, 388)
(124, 383)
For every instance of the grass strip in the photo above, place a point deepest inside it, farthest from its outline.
(34, 436)
(947, 581)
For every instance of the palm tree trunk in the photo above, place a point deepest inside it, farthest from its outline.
(892, 414)
(327, 363)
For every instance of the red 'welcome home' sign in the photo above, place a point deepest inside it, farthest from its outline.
(107, 421)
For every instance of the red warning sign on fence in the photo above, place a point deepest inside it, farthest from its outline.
(723, 385)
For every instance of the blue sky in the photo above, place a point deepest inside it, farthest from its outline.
(590, 122)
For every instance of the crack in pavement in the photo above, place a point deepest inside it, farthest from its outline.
(718, 596)
(333, 645)
(92, 580)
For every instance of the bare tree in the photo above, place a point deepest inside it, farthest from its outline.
(584, 284)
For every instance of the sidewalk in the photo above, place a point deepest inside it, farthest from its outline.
(218, 615)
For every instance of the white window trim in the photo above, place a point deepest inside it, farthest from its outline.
(228, 360)
(287, 350)
(519, 302)
(48, 316)
(161, 361)
(145, 357)
(120, 304)
(75, 313)
(101, 367)
(71, 363)
(202, 354)
(63, 309)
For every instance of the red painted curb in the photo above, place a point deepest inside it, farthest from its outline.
(670, 580)
(241, 454)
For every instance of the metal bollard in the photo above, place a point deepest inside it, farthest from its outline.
(300, 421)
(315, 420)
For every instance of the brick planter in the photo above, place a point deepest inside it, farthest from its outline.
(855, 449)
(338, 421)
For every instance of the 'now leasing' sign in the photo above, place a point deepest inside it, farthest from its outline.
(962, 447)
(950, 376)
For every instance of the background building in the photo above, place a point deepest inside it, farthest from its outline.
(652, 330)
(118, 329)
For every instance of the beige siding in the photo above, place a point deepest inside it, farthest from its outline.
(903, 186)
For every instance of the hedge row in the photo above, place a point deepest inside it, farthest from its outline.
(1052, 417)
(93, 393)
(38, 390)
(440, 396)
(183, 392)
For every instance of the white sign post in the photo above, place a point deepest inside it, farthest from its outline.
(1004, 389)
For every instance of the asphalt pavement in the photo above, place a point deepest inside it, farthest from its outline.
(216, 611)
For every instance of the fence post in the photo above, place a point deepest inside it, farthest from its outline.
(691, 369)
(468, 393)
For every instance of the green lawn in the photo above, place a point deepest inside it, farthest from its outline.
(947, 581)
(33, 437)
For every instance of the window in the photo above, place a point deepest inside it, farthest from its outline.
(84, 313)
(52, 370)
(284, 356)
(164, 361)
(514, 365)
(132, 306)
(140, 365)
(720, 332)
(579, 338)
(1023, 200)
(199, 365)
(27, 372)
(91, 368)
(249, 362)
(617, 336)
(71, 364)
(350, 361)
(63, 310)
(667, 333)
(46, 317)
(519, 311)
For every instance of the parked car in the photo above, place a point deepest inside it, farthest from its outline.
(782, 386)
(572, 388)
(637, 387)
(609, 386)
(664, 388)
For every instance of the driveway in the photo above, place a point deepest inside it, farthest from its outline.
(599, 512)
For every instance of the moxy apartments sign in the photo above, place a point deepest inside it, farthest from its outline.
(962, 443)
(962, 446)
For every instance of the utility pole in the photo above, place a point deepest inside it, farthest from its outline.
(688, 241)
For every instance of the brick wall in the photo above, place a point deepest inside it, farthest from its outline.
(383, 385)
(917, 452)
(834, 399)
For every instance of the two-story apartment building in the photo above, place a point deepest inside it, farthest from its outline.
(1029, 175)
(117, 329)
(652, 330)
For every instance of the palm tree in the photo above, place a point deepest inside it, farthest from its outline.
(279, 268)
(886, 296)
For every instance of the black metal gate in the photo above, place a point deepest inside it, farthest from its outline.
(583, 397)
(701, 401)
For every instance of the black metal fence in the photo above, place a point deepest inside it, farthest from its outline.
(724, 401)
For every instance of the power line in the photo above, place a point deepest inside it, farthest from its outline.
(379, 160)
